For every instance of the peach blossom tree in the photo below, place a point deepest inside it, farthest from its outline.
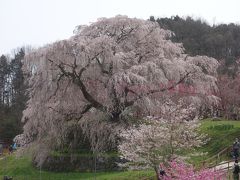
(182, 171)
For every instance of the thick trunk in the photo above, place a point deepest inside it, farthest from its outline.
(115, 116)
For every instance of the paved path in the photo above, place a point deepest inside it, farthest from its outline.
(224, 165)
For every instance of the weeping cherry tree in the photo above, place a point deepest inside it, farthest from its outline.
(111, 73)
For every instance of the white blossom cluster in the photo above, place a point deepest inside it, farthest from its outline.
(160, 138)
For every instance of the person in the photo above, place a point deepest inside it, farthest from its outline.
(7, 178)
(236, 147)
(236, 170)
(10, 149)
(14, 146)
(1, 149)
(162, 173)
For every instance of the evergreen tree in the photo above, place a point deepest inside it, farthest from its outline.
(12, 95)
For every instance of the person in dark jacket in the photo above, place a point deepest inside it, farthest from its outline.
(236, 147)
(10, 149)
(162, 173)
(236, 170)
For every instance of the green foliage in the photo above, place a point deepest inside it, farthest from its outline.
(222, 127)
(12, 95)
(10, 126)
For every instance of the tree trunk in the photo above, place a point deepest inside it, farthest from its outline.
(157, 173)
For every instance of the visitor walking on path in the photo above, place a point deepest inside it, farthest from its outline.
(236, 170)
(1, 149)
(236, 147)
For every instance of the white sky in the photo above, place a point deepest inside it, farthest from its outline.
(37, 22)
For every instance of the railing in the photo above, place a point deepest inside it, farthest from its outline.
(225, 167)
(216, 159)
(215, 163)
(228, 167)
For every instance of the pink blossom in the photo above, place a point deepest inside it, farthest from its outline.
(182, 171)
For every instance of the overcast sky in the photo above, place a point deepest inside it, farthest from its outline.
(37, 22)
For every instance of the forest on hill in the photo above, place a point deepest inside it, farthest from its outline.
(220, 41)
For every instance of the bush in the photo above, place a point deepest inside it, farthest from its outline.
(221, 127)
(84, 162)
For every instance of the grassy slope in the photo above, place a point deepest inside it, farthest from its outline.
(220, 138)
(21, 169)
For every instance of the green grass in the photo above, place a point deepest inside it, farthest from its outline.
(22, 169)
(221, 133)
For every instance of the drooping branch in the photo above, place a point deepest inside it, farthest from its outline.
(57, 88)
(78, 116)
(124, 34)
(73, 115)
(140, 96)
(102, 67)
(76, 79)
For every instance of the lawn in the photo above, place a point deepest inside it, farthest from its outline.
(222, 134)
(21, 169)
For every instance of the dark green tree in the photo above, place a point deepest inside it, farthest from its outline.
(199, 38)
(13, 95)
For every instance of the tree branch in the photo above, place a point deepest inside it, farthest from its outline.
(76, 79)
(74, 116)
(130, 103)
